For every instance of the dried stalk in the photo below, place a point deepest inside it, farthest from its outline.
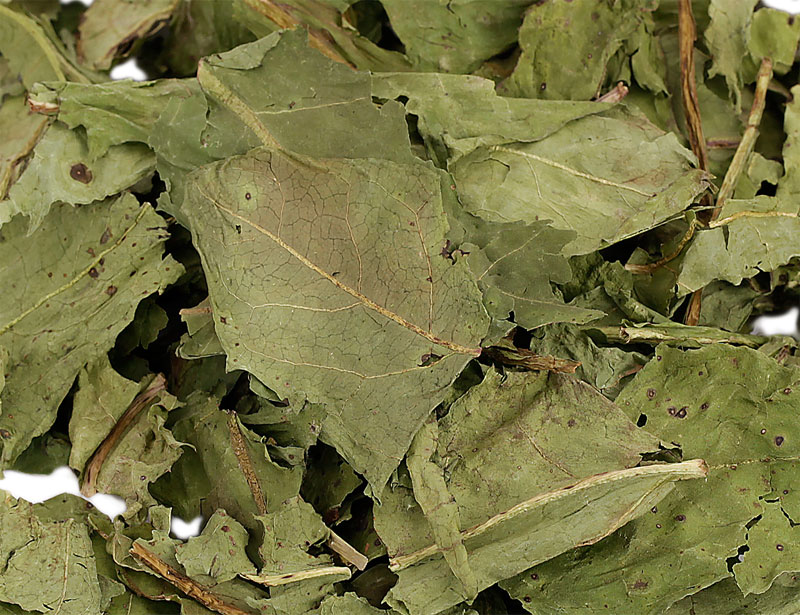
(191, 588)
(273, 580)
(614, 95)
(737, 165)
(748, 138)
(650, 267)
(347, 551)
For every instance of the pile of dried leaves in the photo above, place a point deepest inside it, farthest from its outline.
(426, 307)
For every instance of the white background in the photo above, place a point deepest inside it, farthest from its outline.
(37, 487)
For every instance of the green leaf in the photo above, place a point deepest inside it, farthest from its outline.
(727, 37)
(48, 566)
(112, 113)
(116, 259)
(724, 598)
(513, 454)
(232, 469)
(734, 407)
(557, 65)
(346, 604)
(775, 35)
(749, 237)
(458, 113)
(617, 174)
(102, 397)
(515, 265)
(33, 50)
(200, 555)
(279, 89)
(21, 131)
(457, 36)
(63, 171)
(338, 327)
(109, 28)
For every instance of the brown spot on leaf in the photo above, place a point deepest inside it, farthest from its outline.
(111, 290)
(80, 173)
(778, 440)
(640, 584)
(779, 547)
(571, 423)
(5, 434)
(704, 406)
(651, 393)
(680, 518)
(105, 236)
(787, 390)
(93, 273)
(681, 414)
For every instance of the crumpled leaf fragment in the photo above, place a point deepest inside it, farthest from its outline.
(116, 258)
(515, 266)
(114, 112)
(33, 50)
(110, 28)
(724, 598)
(231, 469)
(222, 534)
(101, 398)
(48, 565)
(734, 407)
(456, 36)
(616, 174)
(200, 339)
(557, 65)
(513, 452)
(727, 37)
(21, 130)
(142, 453)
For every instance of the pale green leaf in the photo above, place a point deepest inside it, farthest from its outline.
(114, 112)
(775, 35)
(109, 27)
(727, 37)
(48, 566)
(515, 265)
(558, 65)
(456, 36)
(393, 321)
(537, 464)
(61, 170)
(102, 396)
(200, 555)
(606, 177)
(21, 130)
(736, 408)
(100, 259)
